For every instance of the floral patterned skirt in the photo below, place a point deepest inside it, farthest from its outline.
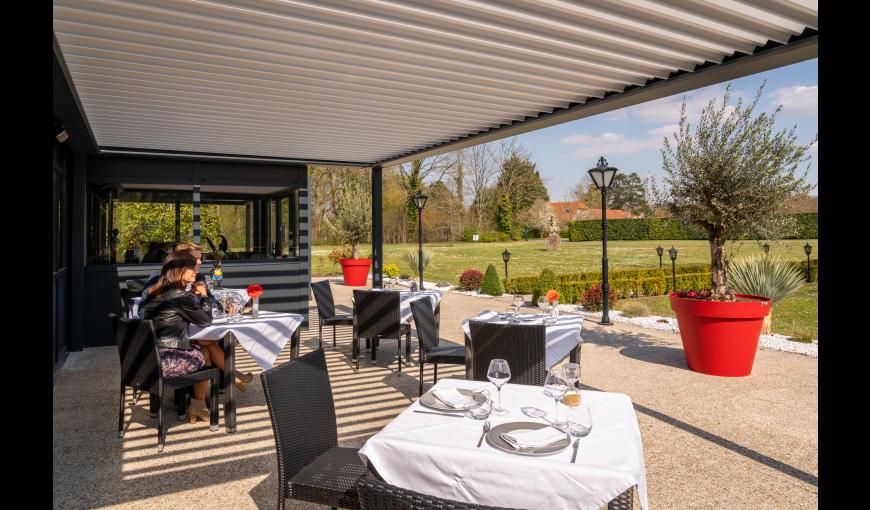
(178, 362)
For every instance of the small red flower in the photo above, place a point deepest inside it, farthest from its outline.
(691, 294)
(552, 295)
(255, 290)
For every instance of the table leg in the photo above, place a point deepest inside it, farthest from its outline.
(469, 365)
(229, 347)
(294, 344)
(574, 357)
(438, 320)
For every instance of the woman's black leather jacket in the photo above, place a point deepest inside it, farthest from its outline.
(173, 311)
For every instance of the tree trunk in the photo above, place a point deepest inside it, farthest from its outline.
(719, 265)
(354, 251)
(767, 326)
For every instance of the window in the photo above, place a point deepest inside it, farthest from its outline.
(129, 224)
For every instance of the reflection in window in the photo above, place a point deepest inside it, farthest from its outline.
(132, 226)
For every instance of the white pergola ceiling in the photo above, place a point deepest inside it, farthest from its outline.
(367, 81)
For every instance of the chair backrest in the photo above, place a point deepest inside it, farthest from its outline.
(137, 348)
(323, 298)
(523, 346)
(377, 313)
(135, 286)
(375, 494)
(302, 411)
(424, 321)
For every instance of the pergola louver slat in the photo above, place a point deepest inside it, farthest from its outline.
(382, 81)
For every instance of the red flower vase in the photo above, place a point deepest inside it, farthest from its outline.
(720, 337)
(355, 271)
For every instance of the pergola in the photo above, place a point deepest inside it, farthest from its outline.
(373, 83)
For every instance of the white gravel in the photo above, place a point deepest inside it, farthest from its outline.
(772, 342)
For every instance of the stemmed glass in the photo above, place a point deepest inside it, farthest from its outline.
(499, 373)
(555, 385)
(572, 375)
(519, 301)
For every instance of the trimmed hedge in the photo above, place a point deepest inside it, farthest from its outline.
(644, 229)
(572, 292)
(543, 283)
(528, 284)
(491, 283)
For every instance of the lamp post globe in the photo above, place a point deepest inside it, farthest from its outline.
(420, 202)
(673, 254)
(602, 176)
(660, 251)
(506, 256)
(808, 249)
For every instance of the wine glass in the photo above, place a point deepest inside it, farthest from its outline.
(572, 375)
(499, 373)
(543, 303)
(519, 301)
(509, 313)
(556, 386)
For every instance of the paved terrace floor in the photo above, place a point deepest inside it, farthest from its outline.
(709, 442)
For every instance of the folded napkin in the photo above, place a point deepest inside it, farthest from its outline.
(532, 438)
(486, 315)
(451, 397)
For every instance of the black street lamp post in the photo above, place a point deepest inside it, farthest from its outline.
(808, 249)
(602, 175)
(673, 253)
(766, 249)
(420, 202)
(660, 251)
(506, 256)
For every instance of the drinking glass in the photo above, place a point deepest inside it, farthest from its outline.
(579, 421)
(555, 386)
(208, 284)
(519, 301)
(572, 373)
(509, 313)
(482, 411)
(499, 373)
(542, 303)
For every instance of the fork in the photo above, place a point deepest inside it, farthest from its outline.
(576, 445)
(485, 430)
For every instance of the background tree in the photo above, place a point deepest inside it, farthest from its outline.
(416, 173)
(505, 212)
(352, 221)
(732, 177)
(536, 216)
(628, 194)
(520, 182)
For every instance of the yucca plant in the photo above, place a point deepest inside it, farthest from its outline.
(766, 276)
(413, 263)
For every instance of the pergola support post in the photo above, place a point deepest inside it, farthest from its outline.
(377, 228)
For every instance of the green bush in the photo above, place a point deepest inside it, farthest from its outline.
(527, 284)
(491, 283)
(517, 234)
(467, 234)
(546, 281)
(391, 270)
(502, 237)
(521, 285)
(668, 228)
(488, 237)
(471, 279)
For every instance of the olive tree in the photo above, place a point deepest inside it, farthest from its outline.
(352, 220)
(732, 177)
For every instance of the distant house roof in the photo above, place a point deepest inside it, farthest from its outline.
(565, 212)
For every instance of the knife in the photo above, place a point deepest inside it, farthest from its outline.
(576, 445)
(440, 414)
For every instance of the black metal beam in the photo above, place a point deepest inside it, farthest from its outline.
(226, 158)
(770, 56)
(377, 227)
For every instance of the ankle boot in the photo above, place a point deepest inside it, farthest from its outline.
(198, 409)
(242, 379)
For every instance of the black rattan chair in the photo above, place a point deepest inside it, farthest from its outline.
(311, 467)
(133, 289)
(430, 347)
(375, 494)
(523, 346)
(376, 315)
(140, 369)
(326, 310)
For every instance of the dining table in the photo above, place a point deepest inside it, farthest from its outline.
(216, 292)
(263, 338)
(562, 336)
(439, 455)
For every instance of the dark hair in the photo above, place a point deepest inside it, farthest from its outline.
(174, 266)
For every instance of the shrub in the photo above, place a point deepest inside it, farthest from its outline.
(411, 259)
(471, 279)
(592, 299)
(344, 252)
(634, 309)
(467, 234)
(391, 270)
(491, 283)
(488, 237)
(546, 281)
(502, 237)
(766, 276)
(517, 234)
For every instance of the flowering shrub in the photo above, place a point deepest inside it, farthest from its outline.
(391, 270)
(592, 299)
(471, 279)
(345, 252)
(697, 294)
(552, 296)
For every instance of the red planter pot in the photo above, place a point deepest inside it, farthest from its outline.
(355, 271)
(720, 338)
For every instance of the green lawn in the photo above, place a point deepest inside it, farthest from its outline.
(530, 257)
(797, 314)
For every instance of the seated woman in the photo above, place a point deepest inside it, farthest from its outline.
(173, 309)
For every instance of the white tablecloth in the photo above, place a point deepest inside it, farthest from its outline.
(406, 296)
(263, 337)
(438, 456)
(217, 293)
(561, 337)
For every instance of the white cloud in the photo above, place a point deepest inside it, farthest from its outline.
(797, 99)
(609, 143)
(665, 130)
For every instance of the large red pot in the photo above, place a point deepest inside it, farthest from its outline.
(720, 337)
(355, 271)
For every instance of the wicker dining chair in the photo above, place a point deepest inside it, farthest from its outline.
(377, 316)
(326, 311)
(430, 347)
(375, 494)
(311, 466)
(523, 346)
(140, 369)
(133, 289)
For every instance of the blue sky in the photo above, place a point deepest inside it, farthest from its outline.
(631, 138)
